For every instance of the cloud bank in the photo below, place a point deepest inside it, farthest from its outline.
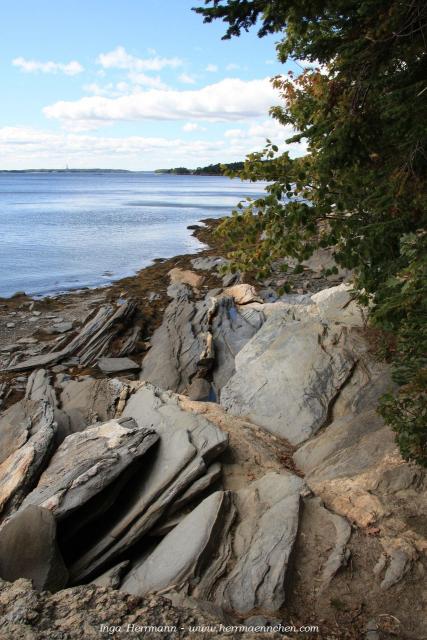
(230, 99)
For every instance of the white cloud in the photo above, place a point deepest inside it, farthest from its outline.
(141, 79)
(186, 78)
(22, 147)
(72, 68)
(192, 126)
(227, 100)
(119, 58)
(212, 68)
(232, 66)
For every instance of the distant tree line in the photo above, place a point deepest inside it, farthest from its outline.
(211, 170)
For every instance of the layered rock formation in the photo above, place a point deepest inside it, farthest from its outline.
(247, 473)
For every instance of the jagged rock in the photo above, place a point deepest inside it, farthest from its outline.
(116, 365)
(288, 375)
(230, 279)
(92, 341)
(113, 577)
(28, 549)
(27, 435)
(185, 552)
(87, 462)
(179, 345)
(232, 327)
(253, 451)
(208, 263)
(199, 486)
(89, 400)
(188, 444)
(175, 345)
(267, 516)
(241, 569)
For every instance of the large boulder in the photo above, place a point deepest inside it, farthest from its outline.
(186, 551)
(188, 444)
(87, 462)
(267, 525)
(233, 549)
(200, 339)
(27, 438)
(288, 375)
(28, 549)
(88, 400)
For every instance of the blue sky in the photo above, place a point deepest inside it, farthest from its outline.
(135, 84)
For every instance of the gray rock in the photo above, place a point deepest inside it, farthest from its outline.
(87, 462)
(199, 486)
(62, 327)
(349, 446)
(10, 325)
(87, 401)
(342, 434)
(27, 435)
(28, 549)
(208, 263)
(267, 515)
(231, 279)
(185, 552)
(177, 290)
(116, 365)
(400, 564)
(288, 375)
(178, 346)
(199, 389)
(188, 444)
(112, 578)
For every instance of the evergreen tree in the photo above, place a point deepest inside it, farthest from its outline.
(361, 109)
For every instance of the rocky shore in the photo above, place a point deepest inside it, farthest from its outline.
(191, 448)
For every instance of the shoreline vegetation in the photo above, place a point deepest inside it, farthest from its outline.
(218, 169)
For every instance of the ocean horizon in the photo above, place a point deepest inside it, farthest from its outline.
(63, 230)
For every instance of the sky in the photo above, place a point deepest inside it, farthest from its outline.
(131, 84)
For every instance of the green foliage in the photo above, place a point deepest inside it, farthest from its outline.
(211, 170)
(361, 187)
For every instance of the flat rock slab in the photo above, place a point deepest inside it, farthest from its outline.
(87, 462)
(62, 327)
(184, 552)
(115, 365)
(287, 375)
(28, 549)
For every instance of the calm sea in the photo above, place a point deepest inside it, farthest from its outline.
(64, 231)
